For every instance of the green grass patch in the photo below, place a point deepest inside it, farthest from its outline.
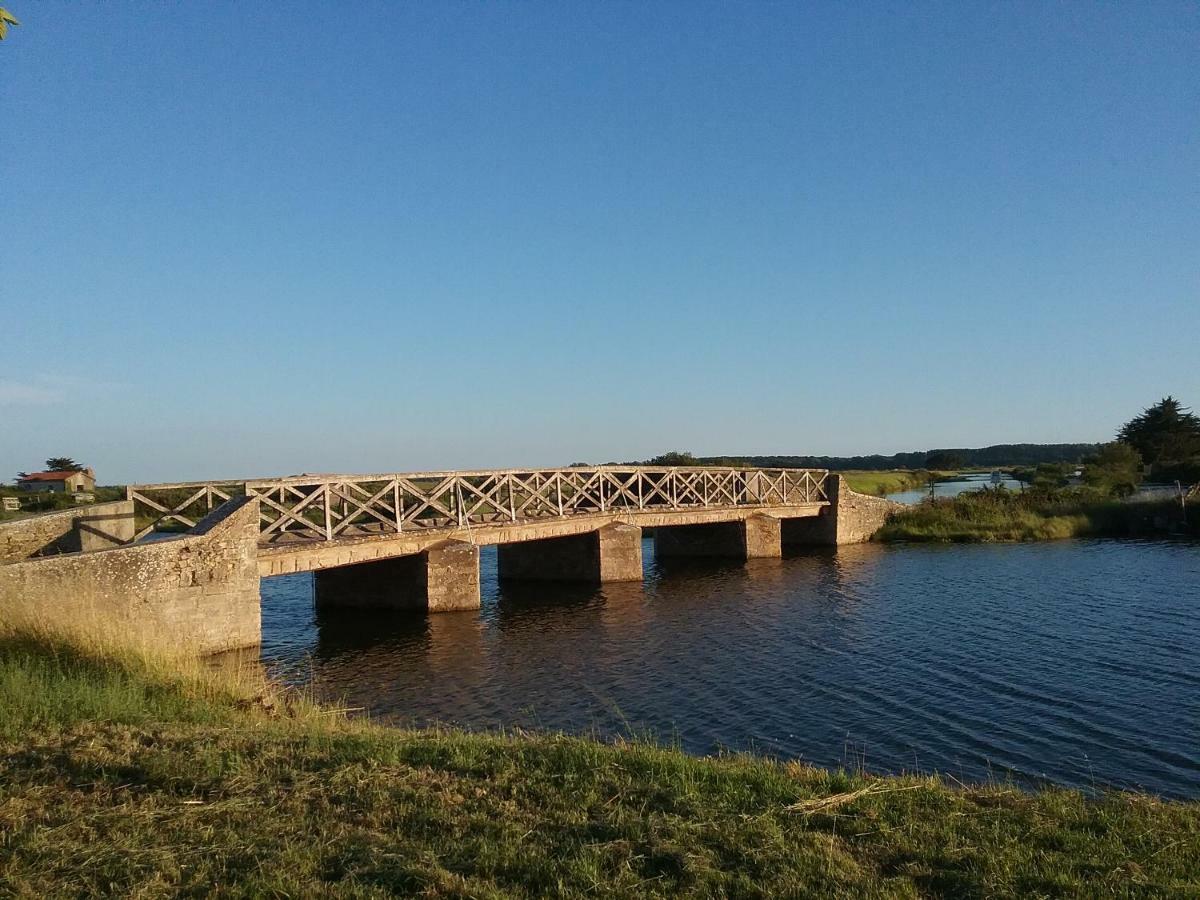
(888, 482)
(141, 781)
(50, 681)
(998, 514)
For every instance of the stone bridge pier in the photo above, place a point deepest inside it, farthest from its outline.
(445, 577)
(755, 537)
(611, 553)
(441, 579)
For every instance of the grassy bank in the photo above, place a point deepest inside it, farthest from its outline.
(48, 501)
(120, 777)
(1001, 515)
(888, 482)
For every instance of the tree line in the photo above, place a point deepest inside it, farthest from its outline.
(1161, 443)
(949, 458)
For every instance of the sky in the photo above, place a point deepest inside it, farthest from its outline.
(249, 239)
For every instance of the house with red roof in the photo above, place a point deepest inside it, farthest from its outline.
(80, 482)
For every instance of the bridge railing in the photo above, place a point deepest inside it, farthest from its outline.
(325, 507)
(177, 507)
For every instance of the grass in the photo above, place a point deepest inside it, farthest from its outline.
(49, 501)
(126, 774)
(886, 482)
(1003, 515)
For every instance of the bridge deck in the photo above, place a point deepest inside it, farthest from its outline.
(287, 557)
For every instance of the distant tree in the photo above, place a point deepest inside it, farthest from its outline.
(6, 19)
(944, 460)
(673, 458)
(62, 464)
(1164, 433)
(727, 462)
(1115, 469)
(579, 465)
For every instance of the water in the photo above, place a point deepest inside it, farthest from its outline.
(1077, 662)
(974, 482)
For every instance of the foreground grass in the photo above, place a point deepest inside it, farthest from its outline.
(1001, 515)
(118, 777)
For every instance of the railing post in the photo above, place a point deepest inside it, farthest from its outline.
(328, 513)
(558, 491)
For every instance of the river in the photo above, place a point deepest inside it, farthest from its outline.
(1074, 662)
(952, 487)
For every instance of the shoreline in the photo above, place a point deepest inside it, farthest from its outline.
(123, 769)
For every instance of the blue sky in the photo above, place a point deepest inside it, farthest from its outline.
(248, 239)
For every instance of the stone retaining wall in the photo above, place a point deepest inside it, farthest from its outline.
(198, 591)
(84, 528)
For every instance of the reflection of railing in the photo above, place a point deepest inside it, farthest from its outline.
(326, 507)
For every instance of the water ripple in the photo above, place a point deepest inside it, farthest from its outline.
(1074, 661)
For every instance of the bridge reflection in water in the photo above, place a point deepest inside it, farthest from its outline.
(470, 666)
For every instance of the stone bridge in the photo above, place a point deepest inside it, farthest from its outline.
(400, 541)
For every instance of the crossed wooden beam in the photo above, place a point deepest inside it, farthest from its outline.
(326, 507)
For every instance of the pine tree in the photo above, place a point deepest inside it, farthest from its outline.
(1164, 433)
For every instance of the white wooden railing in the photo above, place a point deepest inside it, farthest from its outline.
(326, 507)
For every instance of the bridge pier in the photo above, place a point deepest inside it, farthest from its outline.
(444, 577)
(611, 553)
(756, 537)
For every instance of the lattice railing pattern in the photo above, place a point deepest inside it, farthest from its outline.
(163, 507)
(329, 507)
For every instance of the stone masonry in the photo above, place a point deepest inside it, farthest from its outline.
(198, 591)
(94, 527)
(755, 537)
(452, 576)
(444, 577)
(851, 518)
(620, 547)
(762, 537)
(610, 553)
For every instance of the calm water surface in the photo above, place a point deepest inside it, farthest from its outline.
(976, 481)
(1073, 661)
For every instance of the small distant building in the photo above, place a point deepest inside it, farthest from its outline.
(80, 482)
(12, 504)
